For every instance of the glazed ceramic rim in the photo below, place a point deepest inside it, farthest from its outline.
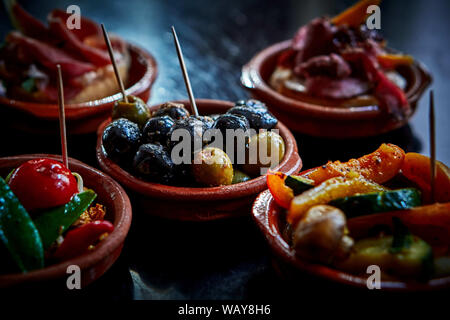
(95, 106)
(161, 191)
(252, 80)
(268, 224)
(122, 222)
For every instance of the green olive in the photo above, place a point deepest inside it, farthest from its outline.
(136, 110)
(239, 177)
(256, 160)
(212, 167)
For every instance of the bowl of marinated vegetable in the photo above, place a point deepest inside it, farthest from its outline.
(371, 222)
(337, 78)
(55, 221)
(139, 148)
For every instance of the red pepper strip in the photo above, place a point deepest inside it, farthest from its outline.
(287, 59)
(29, 25)
(391, 98)
(77, 241)
(50, 56)
(94, 55)
(88, 28)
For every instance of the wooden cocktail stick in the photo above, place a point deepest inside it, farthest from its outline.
(184, 71)
(113, 61)
(432, 148)
(62, 118)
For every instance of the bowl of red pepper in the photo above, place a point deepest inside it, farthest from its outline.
(28, 74)
(56, 222)
(337, 79)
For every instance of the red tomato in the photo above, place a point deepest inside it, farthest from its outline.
(43, 183)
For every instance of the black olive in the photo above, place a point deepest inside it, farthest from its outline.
(230, 121)
(256, 113)
(121, 138)
(152, 162)
(195, 127)
(251, 103)
(208, 122)
(176, 111)
(156, 130)
(214, 116)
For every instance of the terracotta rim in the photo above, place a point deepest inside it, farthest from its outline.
(80, 110)
(265, 213)
(253, 80)
(291, 164)
(122, 221)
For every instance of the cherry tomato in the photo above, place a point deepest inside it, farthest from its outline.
(43, 183)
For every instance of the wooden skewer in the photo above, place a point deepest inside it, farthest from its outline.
(432, 147)
(113, 61)
(185, 74)
(62, 118)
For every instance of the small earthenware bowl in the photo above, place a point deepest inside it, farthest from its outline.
(196, 204)
(96, 262)
(83, 117)
(318, 118)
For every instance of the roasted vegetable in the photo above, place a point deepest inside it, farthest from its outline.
(430, 222)
(78, 240)
(53, 223)
(281, 193)
(331, 189)
(375, 202)
(18, 232)
(355, 15)
(320, 235)
(402, 254)
(416, 167)
(378, 166)
(299, 184)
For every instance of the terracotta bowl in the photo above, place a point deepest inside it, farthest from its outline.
(83, 117)
(197, 204)
(267, 215)
(316, 119)
(92, 264)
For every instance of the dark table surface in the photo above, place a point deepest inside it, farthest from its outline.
(229, 259)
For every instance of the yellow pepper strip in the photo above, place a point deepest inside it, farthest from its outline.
(331, 189)
(355, 15)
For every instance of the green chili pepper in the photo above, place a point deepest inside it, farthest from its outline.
(55, 222)
(18, 232)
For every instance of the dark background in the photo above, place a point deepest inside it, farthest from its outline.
(229, 259)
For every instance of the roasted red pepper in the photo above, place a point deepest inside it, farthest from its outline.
(77, 241)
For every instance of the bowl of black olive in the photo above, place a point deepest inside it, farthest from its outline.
(195, 167)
